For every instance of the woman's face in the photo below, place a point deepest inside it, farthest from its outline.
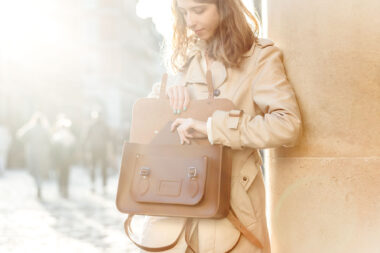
(201, 18)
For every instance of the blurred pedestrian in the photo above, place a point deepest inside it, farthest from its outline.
(5, 142)
(98, 143)
(63, 148)
(35, 135)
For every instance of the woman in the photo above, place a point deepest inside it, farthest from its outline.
(215, 35)
(36, 133)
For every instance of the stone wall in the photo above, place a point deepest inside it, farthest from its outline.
(324, 194)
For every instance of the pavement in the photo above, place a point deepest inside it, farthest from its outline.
(85, 222)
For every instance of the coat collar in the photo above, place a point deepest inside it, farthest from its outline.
(195, 73)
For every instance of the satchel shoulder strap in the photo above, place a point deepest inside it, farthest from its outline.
(238, 225)
(164, 80)
(131, 236)
(210, 85)
(187, 227)
(243, 230)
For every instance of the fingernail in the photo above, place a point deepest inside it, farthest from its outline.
(179, 111)
(184, 109)
(174, 111)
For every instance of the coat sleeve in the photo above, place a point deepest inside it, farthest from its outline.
(279, 124)
(155, 92)
(173, 79)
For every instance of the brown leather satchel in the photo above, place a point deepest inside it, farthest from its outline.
(161, 177)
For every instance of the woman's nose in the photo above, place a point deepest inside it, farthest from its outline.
(190, 20)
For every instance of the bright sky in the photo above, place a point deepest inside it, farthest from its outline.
(160, 11)
(29, 26)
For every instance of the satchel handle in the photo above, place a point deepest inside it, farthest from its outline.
(243, 230)
(130, 234)
(210, 85)
(187, 227)
(164, 80)
(237, 224)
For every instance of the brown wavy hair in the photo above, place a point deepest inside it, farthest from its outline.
(233, 37)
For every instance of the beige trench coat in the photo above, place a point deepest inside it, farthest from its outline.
(271, 119)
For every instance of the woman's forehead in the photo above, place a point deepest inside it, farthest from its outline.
(186, 4)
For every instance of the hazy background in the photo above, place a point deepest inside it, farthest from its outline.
(70, 71)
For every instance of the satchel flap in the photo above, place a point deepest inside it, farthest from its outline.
(169, 180)
(150, 115)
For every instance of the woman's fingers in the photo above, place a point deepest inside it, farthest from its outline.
(179, 98)
(175, 102)
(188, 135)
(169, 92)
(176, 123)
(175, 99)
(186, 99)
(183, 135)
(182, 129)
(172, 94)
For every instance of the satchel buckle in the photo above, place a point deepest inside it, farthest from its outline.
(235, 113)
(144, 172)
(192, 172)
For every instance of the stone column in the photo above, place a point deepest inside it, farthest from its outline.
(324, 194)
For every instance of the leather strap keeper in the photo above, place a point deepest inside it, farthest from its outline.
(233, 123)
(235, 113)
(234, 118)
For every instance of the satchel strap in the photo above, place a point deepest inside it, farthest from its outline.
(243, 230)
(164, 80)
(238, 225)
(210, 85)
(208, 80)
(187, 234)
(187, 228)
(130, 234)
(187, 238)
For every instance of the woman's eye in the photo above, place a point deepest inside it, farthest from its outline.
(199, 11)
(182, 12)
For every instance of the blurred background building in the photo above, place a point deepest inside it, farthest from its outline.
(70, 71)
(74, 57)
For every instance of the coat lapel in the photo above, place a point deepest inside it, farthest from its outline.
(219, 73)
(196, 74)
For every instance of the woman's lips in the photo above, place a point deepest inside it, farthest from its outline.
(199, 31)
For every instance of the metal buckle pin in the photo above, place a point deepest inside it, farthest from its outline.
(144, 172)
(192, 172)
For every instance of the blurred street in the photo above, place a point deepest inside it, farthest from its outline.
(85, 222)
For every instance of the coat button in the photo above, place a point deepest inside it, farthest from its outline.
(244, 180)
(216, 92)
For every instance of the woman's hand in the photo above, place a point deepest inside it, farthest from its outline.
(179, 98)
(189, 128)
